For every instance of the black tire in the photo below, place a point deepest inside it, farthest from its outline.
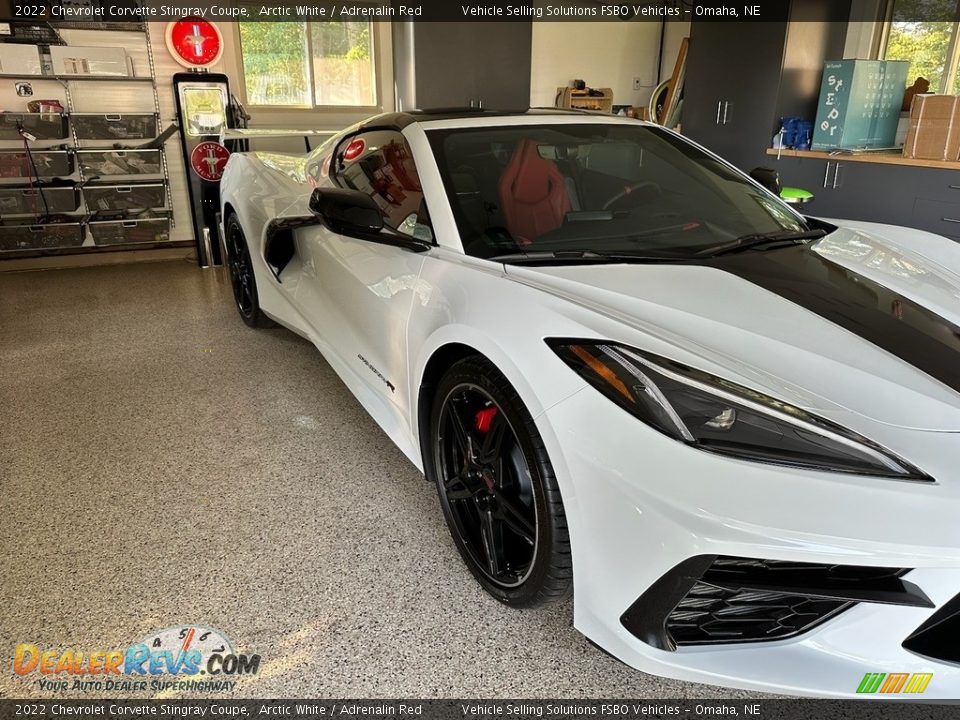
(485, 499)
(242, 279)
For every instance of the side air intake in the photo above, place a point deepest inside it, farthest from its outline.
(712, 599)
(938, 637)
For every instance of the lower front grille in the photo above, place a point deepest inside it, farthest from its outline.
(720, 599)
(709, 614)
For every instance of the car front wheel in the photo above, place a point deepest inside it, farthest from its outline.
(497, 487)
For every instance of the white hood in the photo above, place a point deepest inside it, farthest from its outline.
(755, 336)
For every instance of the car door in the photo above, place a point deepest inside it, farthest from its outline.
(358, 292)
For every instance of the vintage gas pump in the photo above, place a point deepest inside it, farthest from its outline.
(202, 99)
(202, 110)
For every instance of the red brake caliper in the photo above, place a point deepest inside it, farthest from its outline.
(484, 419)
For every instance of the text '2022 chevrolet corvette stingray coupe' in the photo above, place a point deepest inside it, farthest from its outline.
(634, 372)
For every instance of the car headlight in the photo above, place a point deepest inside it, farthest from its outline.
(719, 416)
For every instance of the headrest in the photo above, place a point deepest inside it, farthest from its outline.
(533, 177)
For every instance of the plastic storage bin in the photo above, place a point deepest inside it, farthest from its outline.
(28, 201)
(142, 196)
(77, 60)
(100, 126)
(37, 237)
(120, 232)
(18, 59)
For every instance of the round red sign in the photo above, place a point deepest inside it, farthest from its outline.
(194, 42)
(208, 160)
(354, 149)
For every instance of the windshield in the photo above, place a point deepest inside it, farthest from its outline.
(608, 189)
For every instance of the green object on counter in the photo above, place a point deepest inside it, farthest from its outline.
(795, 196)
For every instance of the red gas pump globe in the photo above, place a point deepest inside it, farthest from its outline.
(194, 42)
(208, 160)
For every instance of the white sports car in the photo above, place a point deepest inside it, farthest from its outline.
(635, 373)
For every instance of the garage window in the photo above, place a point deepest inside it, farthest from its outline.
(931, 47)
(313, 65)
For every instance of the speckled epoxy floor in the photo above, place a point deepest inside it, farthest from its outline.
(163, 464)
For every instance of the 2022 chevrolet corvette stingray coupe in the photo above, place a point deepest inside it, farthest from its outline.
(634, 373)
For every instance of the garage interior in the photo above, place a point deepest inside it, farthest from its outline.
(162, 463)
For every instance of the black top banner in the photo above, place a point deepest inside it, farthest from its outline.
(100, 12)
(107, 11)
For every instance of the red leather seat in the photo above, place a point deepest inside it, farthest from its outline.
(533, 194)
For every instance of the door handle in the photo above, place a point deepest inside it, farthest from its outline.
(826, 175)
(836, 174)
(950, 220)
(726, 107)
(719, 108)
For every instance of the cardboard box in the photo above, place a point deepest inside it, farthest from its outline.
(934, 132)
(859, 104)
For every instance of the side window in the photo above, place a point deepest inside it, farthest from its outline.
(380, 164)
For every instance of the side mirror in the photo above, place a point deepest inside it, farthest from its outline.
(348, 212)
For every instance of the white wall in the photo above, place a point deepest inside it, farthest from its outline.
(604, 54)
(865, 29)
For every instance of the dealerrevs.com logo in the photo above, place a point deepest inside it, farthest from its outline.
(182, 658)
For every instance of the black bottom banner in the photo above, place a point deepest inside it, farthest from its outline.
(483, 709)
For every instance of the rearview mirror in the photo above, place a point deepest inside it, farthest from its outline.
(768, 177)
(348, 212)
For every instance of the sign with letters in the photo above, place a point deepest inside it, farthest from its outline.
(859, 104)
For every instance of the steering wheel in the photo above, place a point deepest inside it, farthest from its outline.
(627, 190)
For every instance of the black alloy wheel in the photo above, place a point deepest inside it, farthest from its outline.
(497, 487)
(242, 279)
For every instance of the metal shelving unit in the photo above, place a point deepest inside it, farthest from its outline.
(105, 25)
(46, 232)
(77, 78)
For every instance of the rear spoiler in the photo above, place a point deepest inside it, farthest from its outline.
(229, 134)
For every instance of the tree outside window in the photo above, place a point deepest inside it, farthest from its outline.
(318, 64)
(932, 48)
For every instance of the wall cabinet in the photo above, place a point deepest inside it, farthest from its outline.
(730, 92)
(462, 64)
(741, 78)
(919, 197)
